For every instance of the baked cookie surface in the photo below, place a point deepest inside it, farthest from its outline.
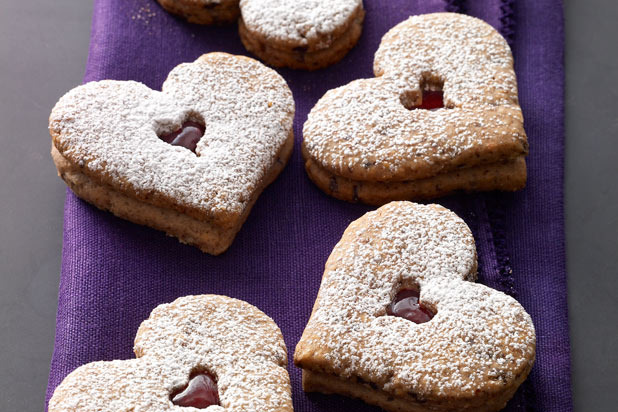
(300, 34)
(373, 141)
(107, 143)
(474, 352)
(230, 340)
(204, 11)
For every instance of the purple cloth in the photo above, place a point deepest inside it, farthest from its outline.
(114, 272)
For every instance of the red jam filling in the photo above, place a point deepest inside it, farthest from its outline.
(201, 392)
(432, 99)
(187, 136)
(406, 305)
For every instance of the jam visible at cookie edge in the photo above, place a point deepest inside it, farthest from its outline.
(201, 392)
(406, 305)
(187, 136)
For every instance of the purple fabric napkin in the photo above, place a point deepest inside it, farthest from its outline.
(114, 272)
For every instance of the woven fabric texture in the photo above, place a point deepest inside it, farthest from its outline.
(114, 272)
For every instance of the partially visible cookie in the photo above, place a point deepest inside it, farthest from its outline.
(205, 351)
(300, 34)
(190, 160)
(204, 11)
(442, 114)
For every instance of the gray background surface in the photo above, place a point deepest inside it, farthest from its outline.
(43, 50)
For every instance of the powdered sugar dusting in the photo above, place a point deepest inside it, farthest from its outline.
(363, 131)
(110, 128)
(298, 21)
(479, 339)
(234, 341)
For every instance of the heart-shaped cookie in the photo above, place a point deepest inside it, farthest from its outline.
(196, 351)
(111, 144)
(442, 114)
(401, 264)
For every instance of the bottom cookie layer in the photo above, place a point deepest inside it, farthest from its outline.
(207, 236)
(330, 384)
(299, 58)
(507, 176)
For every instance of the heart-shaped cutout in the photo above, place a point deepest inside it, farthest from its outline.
(363, 143)
(109, 146)
(201, 392)
(211, 349)
(188, 136)
(471, 355)
(406, 304)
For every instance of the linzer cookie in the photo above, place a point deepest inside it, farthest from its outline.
(441, 115)
(399, 323)
(205, 351)
(300, 34)
(190, 160)
(204, 11)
